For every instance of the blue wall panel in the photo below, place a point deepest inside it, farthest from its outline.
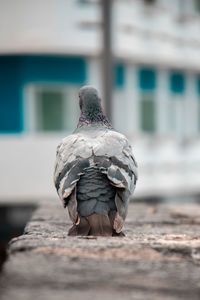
(10, 106)
(15, 71)
(53, 68)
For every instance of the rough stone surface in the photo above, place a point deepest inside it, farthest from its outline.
(158, 259)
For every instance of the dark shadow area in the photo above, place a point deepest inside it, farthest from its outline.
(13, 219)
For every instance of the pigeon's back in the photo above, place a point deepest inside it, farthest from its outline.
(95, 174)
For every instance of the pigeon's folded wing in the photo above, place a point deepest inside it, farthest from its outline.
(106, 150)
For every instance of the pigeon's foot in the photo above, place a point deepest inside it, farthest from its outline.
(94, 225)
(120, 234)
(82, 228)
(112, 217)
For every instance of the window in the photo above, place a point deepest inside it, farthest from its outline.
(49, 108)
(149, 1)
(147, 84)
(147, 79)
(198, 86)
(148, 113)
(86, 2)
(119, 75)
(197, 5)
(52, 108)
(176, 105)
(198, 105)
(177, 83)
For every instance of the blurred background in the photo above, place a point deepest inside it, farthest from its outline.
(50, 48)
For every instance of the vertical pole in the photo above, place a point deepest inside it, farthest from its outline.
(107, 56)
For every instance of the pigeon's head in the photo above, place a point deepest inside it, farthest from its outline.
(88, 97)
(91, 109)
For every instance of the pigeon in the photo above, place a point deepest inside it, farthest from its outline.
(95, 172)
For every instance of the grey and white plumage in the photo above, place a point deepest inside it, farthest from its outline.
(95, 170)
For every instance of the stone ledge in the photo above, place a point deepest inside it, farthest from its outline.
(158, 259)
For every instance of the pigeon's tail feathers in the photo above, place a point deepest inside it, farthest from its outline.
(96, 225)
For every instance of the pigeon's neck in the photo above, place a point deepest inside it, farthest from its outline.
(93, 115)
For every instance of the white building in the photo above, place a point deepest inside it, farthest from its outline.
(49, 48)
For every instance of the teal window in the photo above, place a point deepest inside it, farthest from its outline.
(49, 108)
(149, 1)
(198, 86)
(147, 85)
(147, 79)
(147, 107)
(177, 83)
(119, 75)
(197, 5)
(198, 91)
(84, 2)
